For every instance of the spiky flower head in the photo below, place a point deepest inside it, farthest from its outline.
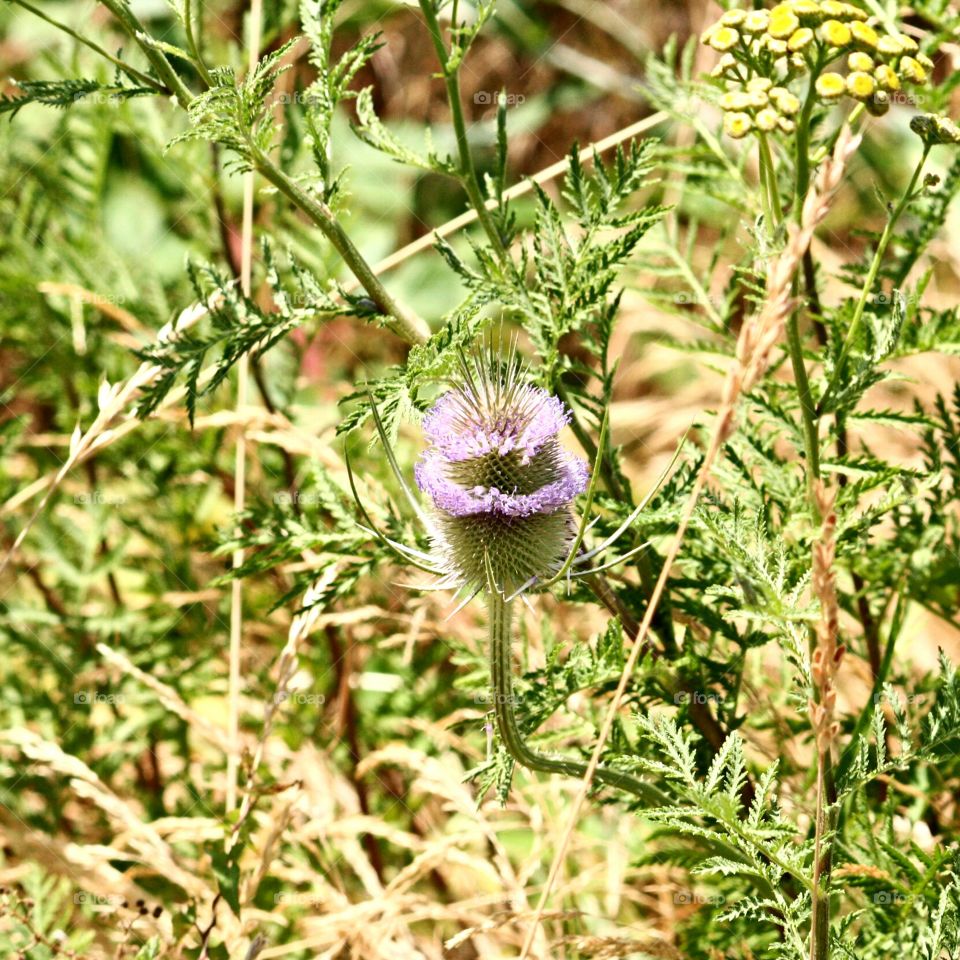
(498, 477)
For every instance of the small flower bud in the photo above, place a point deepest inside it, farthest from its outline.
(860, 61)
(864, 35)
(835, 33)
(737, 125)
(933, 129)
(800, 39)
(830, 86)
(860, 86)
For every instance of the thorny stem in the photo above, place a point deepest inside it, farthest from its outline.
(857, 320)
(501, 615)
(468, 172)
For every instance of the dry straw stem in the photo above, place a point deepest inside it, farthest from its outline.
(757, 338)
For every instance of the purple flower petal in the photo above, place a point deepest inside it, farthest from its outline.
(573, 478)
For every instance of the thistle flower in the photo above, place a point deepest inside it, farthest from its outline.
(501, 485)
(500, 482)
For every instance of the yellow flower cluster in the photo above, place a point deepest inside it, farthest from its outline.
(798, 36)
(759, 105)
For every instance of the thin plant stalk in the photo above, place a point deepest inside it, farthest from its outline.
(501, 631)
(468, 171)
(240, 463)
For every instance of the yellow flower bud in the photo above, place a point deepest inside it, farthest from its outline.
(860, 61)
(723, 39)
(763, 84)
(887, 77)
(786, 124)
(727, 61)
(908, 44)
(786, 101)
(835, 33)
(735, 100)
(830, 86)
(912, 70)
(805, 8)
(777, 47)
(733, 18)
(924, 61)
(889, 46)
(800, 39)
(766, 119)
(832, 8)
(860, 85)
(737, 125)
(756, 21)
(864, 34)
(783, 22)
(798, 64)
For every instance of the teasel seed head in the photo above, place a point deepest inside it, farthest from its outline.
(500, 482)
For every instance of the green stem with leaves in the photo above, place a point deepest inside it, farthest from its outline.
(468, 171)
(856, 321)
(406, 325)
(136, 75)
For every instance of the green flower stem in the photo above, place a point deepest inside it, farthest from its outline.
(131, 72)
(853, 330)
(468, 172)
(192, 43)
(768, 178)
(501, 615)
(811, 439)
(404, 324)
(158, 61)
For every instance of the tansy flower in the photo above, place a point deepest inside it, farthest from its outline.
(864, 34)
(723, 39)
(835, 33)
(800, 39)
(830, 86)
(756, 21)
(860, 61)
(887, 77)
(766, 119)
(783, 22)
(737, 125)
(860, 85)
(912, 70)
